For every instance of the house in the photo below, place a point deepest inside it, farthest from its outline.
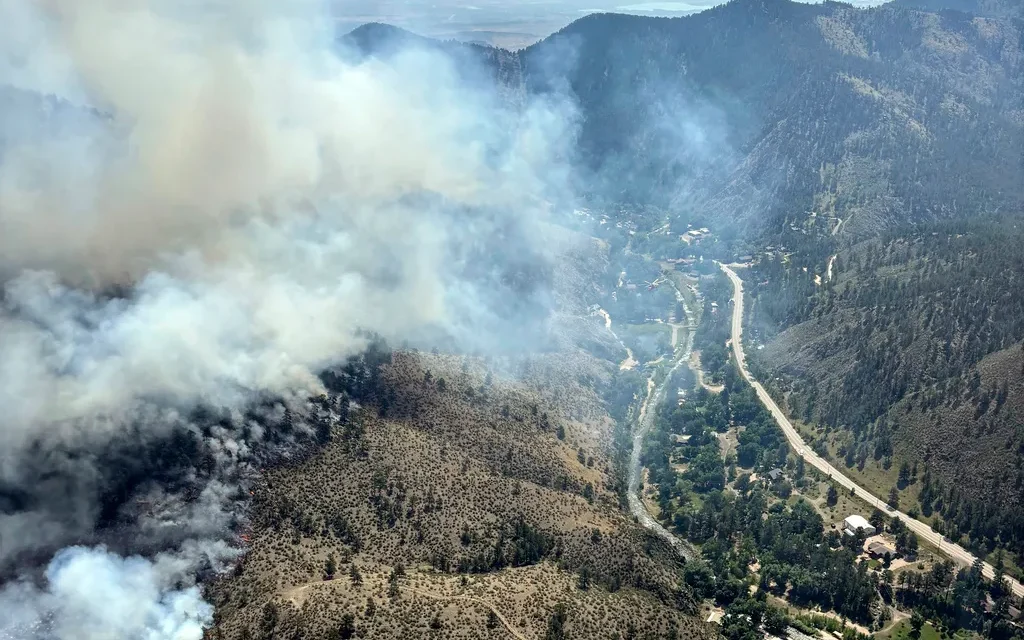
(775, 475)
(878, 549)
(854, 522)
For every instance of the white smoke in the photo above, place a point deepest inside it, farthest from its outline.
(262, 198)
(92, 594)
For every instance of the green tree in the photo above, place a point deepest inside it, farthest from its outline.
(742, 483)
(347, 628)
(999, 570)
(904, 478)
(396, 574)
(556, 623)
(832, 497)
(583, 581)
(270, 617)
(916, 624)
(775, 621)
(912, 544)
(877, 520)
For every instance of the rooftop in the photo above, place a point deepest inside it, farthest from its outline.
(857, 522)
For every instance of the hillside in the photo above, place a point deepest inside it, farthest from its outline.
(770, 111)
(985, 8)
(912, 355)
(783, 116)
(450, 495)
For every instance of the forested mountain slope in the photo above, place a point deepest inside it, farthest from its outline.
(764, 111)
(986, 8)
(767, 110)
(913, 353)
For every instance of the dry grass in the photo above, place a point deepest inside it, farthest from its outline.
(431, 482)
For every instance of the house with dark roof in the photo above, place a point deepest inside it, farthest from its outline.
(878, 549)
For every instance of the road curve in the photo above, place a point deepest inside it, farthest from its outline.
(953, 551)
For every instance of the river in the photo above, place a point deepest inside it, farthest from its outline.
(642, 424)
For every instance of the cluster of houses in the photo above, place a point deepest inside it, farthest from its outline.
(687, 262)
(695, 235)
(876, 548)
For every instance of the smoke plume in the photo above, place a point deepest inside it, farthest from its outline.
(203, 204)
(92, 593)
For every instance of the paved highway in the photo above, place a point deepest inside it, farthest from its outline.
(923, 531)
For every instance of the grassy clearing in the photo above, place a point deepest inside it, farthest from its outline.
(874, 476)
(902, 631)
(648, 341)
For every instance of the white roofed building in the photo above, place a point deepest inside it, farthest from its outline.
(854, 522)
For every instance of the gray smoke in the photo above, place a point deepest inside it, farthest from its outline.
(203, 204)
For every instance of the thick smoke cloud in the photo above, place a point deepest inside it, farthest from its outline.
(92, 593)
(203, 204)
(206, 118)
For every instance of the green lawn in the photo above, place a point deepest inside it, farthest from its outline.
(902, 630)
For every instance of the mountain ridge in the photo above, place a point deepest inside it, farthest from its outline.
(755, 112)
(983, 8)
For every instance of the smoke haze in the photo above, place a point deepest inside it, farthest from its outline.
(204, 204)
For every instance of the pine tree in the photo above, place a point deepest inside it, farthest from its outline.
(347, 628)
(894, 498)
